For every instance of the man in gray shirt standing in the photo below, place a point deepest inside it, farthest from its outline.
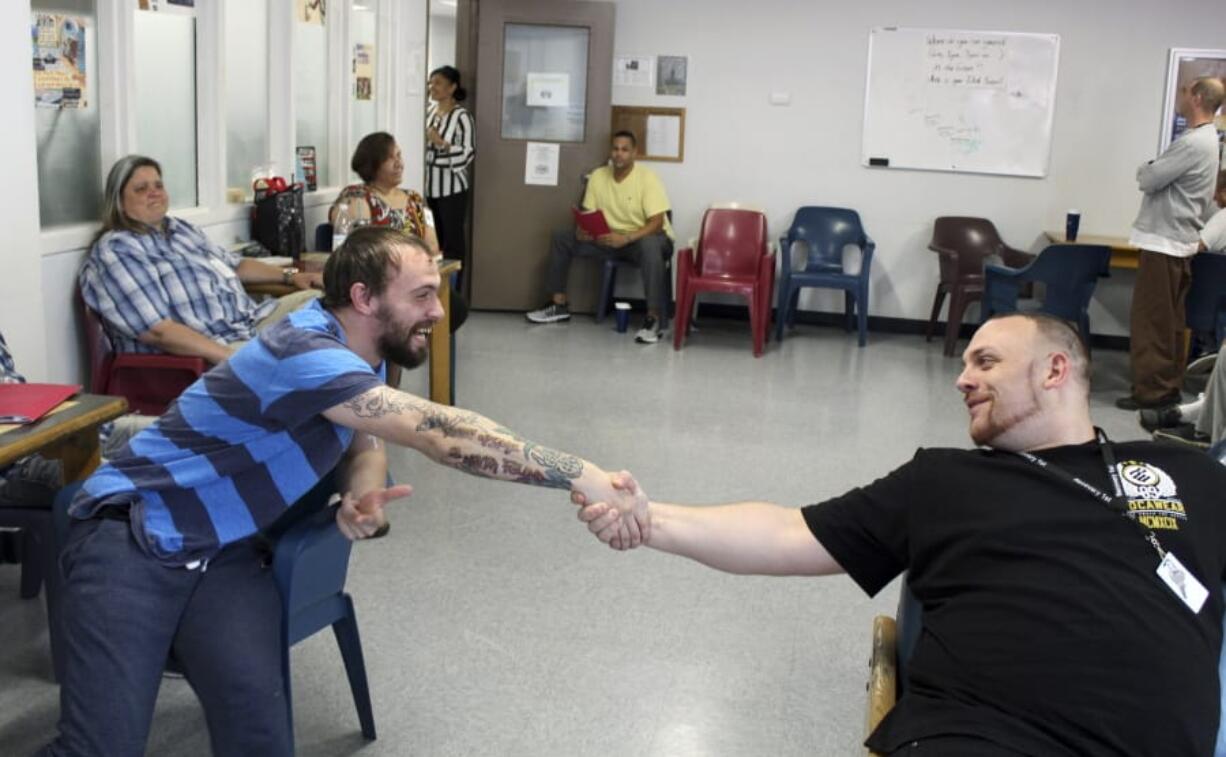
(1178, 187)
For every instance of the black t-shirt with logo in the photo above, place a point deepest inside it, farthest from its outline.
(1046, 627)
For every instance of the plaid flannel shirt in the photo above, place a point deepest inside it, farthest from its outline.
(8, 370)
(135, 280)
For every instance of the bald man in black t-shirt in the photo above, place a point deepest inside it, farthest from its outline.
(1071, 586)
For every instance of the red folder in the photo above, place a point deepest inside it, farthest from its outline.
(591, 221)
(26, 403)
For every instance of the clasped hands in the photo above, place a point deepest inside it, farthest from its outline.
(619, 514)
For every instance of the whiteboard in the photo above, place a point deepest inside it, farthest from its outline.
(958, 100)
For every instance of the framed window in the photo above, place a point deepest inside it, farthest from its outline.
(164, 79)
(1183, 66)
(245, 41)
(310, 87)
(68, 124)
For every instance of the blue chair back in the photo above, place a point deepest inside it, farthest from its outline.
(826, 231)
(323, 237)
(1207, 298)
(1070, 273)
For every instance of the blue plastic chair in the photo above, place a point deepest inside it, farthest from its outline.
(1069, 272)
(826, 232)
(1206, 304)
(310, 563)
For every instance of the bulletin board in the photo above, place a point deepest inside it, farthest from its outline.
(660, 131)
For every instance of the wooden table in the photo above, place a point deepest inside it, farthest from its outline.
(442, 378)
(1123, 255)
(68, 434)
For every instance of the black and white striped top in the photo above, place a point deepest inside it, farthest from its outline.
(447, 170)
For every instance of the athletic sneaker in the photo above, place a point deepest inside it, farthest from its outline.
(650, 333)
(1154, 418)
(551, 313)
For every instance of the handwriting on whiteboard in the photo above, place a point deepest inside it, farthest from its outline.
(966, 60)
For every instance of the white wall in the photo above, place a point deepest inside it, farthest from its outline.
(1111, 81)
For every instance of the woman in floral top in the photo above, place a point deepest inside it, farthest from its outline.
(379, 200)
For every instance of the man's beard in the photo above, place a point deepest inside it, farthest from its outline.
(395, 345)
(1001, 420)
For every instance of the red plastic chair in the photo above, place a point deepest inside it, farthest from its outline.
(732, 256)
(148, 382)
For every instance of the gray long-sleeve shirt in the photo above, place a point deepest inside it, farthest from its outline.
(1178, 187)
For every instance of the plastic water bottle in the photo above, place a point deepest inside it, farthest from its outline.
(341, 225)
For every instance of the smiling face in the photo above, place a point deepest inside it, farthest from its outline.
(408, 308)
(144, 198)
(440, 88)
(391, 170)
(1001, 382)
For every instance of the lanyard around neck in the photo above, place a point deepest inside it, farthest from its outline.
(1115, 502)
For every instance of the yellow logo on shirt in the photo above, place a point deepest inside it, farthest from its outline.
(1152, 498)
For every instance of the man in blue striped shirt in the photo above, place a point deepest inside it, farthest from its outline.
(161, 556)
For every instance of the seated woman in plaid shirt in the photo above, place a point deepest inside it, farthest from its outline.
(160, 284)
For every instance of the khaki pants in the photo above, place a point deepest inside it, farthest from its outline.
(1157, 322)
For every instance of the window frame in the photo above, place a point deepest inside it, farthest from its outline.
(115, 34)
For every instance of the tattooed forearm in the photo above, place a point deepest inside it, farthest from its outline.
(558, 467)
(379, 403)
(478, 465)
(524, 475)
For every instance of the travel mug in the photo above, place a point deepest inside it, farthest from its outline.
(621, 312)
(1071, 222)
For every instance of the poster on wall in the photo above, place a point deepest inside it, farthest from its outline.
(363, 71)
(310, 11)
(1183, 67)
(306, 166)
(546, 90)
(634, 71)
(671, 74)
(59, 60)
(541, 164)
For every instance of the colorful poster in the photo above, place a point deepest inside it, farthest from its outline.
(59, 60)
(363, 71)
(310, 11)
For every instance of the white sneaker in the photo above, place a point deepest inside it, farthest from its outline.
(551, 313)
(650, 333)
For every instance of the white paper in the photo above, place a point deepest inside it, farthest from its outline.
(548, 90)
(634, 71)
(664, 136)
(541, 164)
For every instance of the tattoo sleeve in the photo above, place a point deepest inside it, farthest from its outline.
(471, 443)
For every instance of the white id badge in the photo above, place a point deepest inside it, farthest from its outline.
(428, 216)
(1181, 581)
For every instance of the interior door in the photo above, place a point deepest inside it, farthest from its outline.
(544, 75)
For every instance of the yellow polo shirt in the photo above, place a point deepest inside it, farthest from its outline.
(629, 203)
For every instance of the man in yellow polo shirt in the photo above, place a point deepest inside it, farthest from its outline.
(634, 205)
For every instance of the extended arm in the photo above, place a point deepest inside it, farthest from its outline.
(474, 444)
(747, 538)
(254, 272)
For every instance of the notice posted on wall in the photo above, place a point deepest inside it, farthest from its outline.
(59, 61)
(541, 164)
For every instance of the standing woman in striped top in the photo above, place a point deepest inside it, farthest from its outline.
(450, 149)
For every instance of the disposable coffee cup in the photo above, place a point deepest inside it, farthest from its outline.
(621, 312)
(1071, 223)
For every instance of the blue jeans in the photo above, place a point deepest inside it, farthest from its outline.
(124, 614)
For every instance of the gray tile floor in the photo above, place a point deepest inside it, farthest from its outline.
(493, 624)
